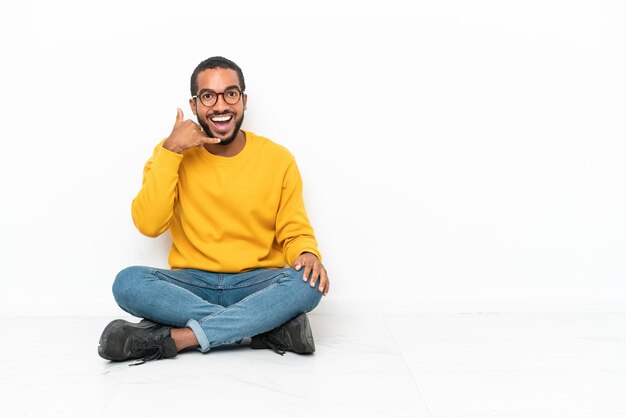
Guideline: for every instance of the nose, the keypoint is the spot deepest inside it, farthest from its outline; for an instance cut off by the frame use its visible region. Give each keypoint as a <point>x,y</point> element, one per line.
<point>221,104</point>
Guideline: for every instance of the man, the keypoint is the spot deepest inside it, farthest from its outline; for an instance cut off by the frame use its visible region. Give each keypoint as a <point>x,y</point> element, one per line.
<point>244,260</point>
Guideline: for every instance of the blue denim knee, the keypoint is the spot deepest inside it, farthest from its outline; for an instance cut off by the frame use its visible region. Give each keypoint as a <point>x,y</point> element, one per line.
<point>125,282</point>
<point>307,297</point>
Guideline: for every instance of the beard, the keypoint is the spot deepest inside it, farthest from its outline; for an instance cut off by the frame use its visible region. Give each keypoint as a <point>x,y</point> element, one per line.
<point>227,140</point>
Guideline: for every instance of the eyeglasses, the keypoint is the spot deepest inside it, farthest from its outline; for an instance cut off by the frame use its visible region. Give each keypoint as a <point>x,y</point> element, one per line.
<point>209,98</point>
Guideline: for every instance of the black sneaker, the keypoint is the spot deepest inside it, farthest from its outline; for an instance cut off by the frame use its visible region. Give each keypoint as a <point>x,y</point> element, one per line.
<point>294,335</point>
<point>122,340</point>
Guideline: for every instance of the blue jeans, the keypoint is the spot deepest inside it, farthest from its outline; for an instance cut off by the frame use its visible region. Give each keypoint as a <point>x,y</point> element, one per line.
<point>219,308</point>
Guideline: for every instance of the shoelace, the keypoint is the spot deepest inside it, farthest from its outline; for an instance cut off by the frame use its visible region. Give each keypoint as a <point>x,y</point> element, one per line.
<point>149,345</point>
<point>277,346</point>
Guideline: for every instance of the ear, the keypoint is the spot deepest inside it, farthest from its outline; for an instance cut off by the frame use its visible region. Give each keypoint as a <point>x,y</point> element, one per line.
<point>192,105</point>
<point>245,101</point>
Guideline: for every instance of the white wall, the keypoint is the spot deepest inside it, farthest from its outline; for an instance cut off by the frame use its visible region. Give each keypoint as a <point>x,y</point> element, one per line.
<point>457,156</point>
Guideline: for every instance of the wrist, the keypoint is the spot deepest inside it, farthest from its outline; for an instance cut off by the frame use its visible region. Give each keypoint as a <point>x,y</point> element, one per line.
<point>172,147</point>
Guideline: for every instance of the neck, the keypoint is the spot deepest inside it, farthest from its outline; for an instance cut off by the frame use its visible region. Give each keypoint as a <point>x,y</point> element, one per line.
<point>229,150</point>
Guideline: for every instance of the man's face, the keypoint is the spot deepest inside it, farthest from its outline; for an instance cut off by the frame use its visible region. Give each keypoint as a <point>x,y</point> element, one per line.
<point>218,80</point>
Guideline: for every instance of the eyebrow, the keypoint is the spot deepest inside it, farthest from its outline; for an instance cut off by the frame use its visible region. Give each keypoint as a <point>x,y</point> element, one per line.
<point>234,86</point>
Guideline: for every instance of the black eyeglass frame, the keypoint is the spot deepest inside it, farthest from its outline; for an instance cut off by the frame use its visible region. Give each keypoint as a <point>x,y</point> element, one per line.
<point>217,96</point>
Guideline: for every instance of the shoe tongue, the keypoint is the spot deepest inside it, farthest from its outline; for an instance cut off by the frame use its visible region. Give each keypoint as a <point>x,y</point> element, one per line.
<point>169,348</point>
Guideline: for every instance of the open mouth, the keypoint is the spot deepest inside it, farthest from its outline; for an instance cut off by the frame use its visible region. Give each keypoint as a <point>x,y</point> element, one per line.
<point>222,123</point>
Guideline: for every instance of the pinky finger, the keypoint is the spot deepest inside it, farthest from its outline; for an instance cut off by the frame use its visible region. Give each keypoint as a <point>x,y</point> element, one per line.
<point>326,288</point>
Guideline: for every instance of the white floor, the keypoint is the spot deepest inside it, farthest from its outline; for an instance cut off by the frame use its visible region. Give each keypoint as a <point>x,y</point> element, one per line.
<point>471,365</point>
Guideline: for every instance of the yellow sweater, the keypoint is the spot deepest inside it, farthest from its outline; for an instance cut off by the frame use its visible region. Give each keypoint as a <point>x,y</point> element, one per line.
<point>226,214</point>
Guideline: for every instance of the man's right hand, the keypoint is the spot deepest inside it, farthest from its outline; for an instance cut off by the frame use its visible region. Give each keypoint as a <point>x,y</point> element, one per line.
<point>186,134</point>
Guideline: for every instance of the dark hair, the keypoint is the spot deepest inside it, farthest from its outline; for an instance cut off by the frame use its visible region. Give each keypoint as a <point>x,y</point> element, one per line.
<point>216,62</point>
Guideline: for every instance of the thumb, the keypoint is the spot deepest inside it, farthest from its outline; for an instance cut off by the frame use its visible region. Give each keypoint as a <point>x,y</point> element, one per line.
<point>179,117</point>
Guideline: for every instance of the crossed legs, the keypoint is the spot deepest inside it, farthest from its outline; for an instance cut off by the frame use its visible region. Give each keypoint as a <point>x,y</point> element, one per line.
<point>210,309</point>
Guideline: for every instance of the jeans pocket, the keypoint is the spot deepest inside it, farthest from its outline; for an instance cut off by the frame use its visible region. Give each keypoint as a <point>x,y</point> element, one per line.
<point>252,278</point>
<point>189,277</point>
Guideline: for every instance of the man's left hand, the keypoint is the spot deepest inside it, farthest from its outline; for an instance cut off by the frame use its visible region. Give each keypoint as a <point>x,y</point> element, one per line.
<point>314,270</point>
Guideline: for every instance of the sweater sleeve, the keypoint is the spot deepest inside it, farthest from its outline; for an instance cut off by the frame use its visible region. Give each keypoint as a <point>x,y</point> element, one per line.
<point>153,207</point>
<point>293,229</point>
